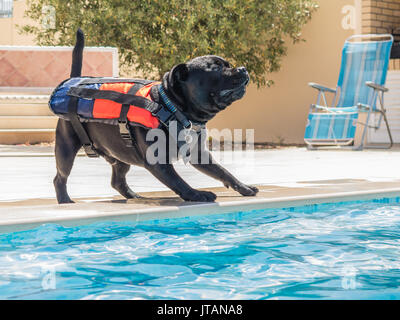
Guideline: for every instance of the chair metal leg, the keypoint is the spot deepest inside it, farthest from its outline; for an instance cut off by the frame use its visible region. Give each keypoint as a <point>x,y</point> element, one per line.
<point>345,146</point>
<point>388,129</point>
<point>361,146</point>
<point>311,147</point>
<point>389,134</point>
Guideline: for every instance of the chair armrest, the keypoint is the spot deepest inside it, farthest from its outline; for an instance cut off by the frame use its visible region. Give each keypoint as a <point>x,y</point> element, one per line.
<point>316,106</point>
<point>364,106</point>
<point>376,86</point>
<point>321,88</point>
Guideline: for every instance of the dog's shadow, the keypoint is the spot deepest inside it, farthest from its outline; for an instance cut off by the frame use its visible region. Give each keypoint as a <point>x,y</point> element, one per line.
<point>159,201</point>
<point>162,201</point>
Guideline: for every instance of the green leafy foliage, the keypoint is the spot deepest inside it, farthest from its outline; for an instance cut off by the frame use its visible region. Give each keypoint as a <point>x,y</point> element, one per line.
<point>154,35</point>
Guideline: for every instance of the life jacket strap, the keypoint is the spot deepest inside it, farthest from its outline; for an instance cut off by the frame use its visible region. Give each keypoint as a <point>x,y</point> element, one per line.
<point>79,129</point>
<point>123,118</point>
<point>175,110</point>
<point>95,80</point>
<point>122,98</point>
<point>163,115</point>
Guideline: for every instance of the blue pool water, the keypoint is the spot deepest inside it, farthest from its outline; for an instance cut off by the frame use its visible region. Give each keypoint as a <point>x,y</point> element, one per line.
<point>336,251</point>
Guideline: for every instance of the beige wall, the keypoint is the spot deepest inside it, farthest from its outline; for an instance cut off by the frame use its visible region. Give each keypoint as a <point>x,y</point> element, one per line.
<point>277,113</point>
<point>9,31</point>
<point>280,112</point>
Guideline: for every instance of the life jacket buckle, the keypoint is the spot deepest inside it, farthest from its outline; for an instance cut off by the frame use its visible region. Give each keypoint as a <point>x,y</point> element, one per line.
<point>163,115</point>
<point>90,151</point>
<point>125,133</point>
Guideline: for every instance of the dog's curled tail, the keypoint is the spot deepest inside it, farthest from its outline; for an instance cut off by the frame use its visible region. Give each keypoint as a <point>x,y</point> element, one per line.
<point>77,54</point>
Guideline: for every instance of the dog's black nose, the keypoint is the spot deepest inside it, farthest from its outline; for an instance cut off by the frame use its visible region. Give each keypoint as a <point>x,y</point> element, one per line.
<point>242,70</point>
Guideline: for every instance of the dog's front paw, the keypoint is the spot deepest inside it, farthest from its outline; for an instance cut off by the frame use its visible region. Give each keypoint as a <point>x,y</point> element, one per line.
<point>65,201</point>
<point>199,196</point>
<point>247,191</point>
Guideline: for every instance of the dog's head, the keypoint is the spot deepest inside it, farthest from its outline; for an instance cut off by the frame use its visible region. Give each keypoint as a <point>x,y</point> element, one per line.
<point>205,85</point>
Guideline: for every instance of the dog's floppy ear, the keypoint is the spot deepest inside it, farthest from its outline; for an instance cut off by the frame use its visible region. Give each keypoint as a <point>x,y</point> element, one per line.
<point>180,72</point>
<point>172,80</point>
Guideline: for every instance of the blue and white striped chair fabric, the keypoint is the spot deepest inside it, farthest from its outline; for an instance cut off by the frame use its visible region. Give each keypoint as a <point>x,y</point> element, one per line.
<point>362,61</point>
<point>328,127</point>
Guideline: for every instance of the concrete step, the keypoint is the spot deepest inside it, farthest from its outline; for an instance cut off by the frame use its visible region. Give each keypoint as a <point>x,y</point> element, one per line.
<point>24,109</point>
<point>21,136</point>
<point>31,122</point>
<point>24,104</point>
<point>26,118</point>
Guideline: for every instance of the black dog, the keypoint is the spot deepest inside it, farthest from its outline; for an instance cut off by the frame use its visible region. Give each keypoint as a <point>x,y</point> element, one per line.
<point>202,87</point>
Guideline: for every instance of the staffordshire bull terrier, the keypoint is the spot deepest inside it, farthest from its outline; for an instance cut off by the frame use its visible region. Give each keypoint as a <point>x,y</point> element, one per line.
<point>199,88</point>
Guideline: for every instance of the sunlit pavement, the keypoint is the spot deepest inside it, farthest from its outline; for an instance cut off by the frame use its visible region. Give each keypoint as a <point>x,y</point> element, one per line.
<point>27,172</point>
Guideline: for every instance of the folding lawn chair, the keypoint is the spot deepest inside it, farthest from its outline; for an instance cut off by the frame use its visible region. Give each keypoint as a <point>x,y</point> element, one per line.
<point>362,77</point>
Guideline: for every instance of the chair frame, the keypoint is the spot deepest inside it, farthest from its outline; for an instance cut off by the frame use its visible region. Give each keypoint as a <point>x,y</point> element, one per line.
<point>378,94</point>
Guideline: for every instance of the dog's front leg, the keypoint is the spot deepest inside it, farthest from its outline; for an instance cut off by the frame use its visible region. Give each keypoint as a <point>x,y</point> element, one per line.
<point>168,176</point>
<point>205,163</point>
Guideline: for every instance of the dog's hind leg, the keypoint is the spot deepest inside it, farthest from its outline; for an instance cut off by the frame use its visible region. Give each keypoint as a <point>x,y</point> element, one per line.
<point>67,146</point>
<point>118,178</point>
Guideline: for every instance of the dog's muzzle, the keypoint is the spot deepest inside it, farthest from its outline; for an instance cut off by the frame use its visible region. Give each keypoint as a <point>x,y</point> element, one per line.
<point>240,82</point>
<point>243,71</point>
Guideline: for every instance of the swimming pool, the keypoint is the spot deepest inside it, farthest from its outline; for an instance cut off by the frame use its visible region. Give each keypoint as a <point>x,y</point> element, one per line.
<point>329,251</point>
